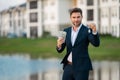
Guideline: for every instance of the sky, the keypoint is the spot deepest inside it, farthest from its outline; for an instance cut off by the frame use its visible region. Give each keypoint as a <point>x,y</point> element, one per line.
<point>5,4</point>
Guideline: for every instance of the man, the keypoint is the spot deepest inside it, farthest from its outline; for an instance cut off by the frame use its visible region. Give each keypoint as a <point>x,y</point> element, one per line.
<point>77,63</point>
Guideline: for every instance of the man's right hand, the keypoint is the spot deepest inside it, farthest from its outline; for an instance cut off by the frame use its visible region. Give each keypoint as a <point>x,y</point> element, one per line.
<point>60,41</point>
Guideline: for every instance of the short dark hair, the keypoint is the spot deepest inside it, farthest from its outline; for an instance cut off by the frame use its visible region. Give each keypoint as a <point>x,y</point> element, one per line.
<point>75,10</point>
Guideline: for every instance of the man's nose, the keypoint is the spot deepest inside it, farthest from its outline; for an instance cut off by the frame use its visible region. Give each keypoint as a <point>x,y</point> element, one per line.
<point>76,19</point>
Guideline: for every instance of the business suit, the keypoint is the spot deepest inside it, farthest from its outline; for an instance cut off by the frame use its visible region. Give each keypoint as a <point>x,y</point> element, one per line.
<point>80,57</point>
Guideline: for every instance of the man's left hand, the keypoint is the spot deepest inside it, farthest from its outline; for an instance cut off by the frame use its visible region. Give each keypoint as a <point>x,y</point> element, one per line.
<point>93,27</point>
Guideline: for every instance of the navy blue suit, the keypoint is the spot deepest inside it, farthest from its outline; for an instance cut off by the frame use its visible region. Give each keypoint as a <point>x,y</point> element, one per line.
<point>80,56</point>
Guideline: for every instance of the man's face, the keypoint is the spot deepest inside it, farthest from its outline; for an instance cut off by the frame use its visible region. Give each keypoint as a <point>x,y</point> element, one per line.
<point>76,18</point>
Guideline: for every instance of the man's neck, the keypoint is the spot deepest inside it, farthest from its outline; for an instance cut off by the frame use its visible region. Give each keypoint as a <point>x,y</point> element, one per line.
<point>75,28</point>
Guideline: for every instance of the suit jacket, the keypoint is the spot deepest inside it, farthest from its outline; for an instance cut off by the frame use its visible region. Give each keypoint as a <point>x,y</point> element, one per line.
<point>80,55</point>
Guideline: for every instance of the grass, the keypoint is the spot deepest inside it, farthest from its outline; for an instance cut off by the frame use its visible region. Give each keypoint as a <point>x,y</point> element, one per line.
<point>44,47</point>
<point>109,48</point>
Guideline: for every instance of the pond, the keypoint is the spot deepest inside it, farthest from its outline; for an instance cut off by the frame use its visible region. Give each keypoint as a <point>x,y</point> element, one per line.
<point>21,67</point>
<point>17,66</point>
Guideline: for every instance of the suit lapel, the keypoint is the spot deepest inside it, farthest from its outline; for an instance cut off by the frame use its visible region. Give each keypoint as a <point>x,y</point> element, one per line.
<point>69,36</point>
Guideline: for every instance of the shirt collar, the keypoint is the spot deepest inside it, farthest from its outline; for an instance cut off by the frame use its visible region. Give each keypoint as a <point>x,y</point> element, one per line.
<point>78,27</point>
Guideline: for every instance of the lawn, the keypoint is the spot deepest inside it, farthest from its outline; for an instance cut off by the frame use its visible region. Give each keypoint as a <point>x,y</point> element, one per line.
<point>109,48</point>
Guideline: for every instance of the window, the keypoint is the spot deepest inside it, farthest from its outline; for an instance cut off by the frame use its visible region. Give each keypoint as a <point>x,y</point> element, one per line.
<point>105,0</point>
<point>23,23</point>
<point>45,2</point>
<point>14,22</point>
<point>52,3</point>
<point>19,22</point>
<point>52,16</point>
<point>19,13</point>
<point>114,0</point>
<point>33,4</point>
<point>90,14</point>
<point>33,32</point>
<point>10,15</point>
<point>114,12</point>
<point>10,23</point>
<point>89,2</point>
<point>104,12</point>
<point>119,12</point>
<point>33,17</point>
<point>45,16</point>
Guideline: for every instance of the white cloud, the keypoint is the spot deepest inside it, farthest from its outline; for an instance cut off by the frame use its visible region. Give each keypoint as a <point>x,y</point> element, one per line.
<point>5,4</point>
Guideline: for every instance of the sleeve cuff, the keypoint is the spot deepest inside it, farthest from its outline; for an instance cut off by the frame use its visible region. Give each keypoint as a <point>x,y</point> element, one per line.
<point>58,48</point>
<point>94,33</point>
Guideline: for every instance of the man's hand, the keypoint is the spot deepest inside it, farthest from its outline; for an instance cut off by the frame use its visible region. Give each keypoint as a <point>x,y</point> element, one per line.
<point>60,41</point>
<point>93,27</point>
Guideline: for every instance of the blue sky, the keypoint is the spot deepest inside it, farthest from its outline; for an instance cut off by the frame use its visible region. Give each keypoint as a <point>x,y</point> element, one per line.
<point>5,4</point>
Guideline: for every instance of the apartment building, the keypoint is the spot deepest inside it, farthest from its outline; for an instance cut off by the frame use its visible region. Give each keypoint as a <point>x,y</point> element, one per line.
<point>13,21</point>
<point>104,13</point>
<point>90,11</point>
<point>55,15</point>
<point>34,19</point>
<point>39,16</point>
<point>110,17</point>
<point>51,16</point>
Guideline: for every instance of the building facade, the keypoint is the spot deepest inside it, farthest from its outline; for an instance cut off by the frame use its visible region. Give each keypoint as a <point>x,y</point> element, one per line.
<point>13,21</point>
<point>55,15</point>
<point>104,13</point>
<point>34,19</point>
<point>39,16</point>
<point>52,15</point>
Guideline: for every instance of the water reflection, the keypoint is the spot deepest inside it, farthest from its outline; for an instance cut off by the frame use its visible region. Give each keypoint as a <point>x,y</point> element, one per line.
<point>21,67</point>
<point>16,67</point>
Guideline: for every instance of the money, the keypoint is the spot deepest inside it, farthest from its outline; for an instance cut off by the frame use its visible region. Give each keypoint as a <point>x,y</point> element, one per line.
<point>62,34</point>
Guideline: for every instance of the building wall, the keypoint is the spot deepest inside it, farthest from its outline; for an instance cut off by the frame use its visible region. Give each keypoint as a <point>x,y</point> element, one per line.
<point>105,15</point>
<point>50,13</point>
<point>53,15</point>
<point>13,21</point>
<point>85,8</point>
<point>110,17</point>
<point>56,15</point>
<point>34,19</point>
<point>5,24</point>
